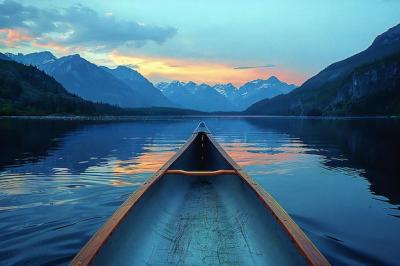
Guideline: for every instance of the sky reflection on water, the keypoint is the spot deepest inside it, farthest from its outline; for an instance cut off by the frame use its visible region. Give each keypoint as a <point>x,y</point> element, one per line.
<point>61,180</point>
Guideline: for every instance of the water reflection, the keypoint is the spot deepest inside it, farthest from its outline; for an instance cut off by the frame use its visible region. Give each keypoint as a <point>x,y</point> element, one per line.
<point>370,147</point>
<point>60,180</point>
<point>250,155</point>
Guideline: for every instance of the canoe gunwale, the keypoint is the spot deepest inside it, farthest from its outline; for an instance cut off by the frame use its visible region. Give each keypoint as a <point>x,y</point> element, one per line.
<point>301,242</point>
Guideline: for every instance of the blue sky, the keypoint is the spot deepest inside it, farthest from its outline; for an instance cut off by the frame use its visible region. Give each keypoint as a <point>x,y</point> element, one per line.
<point>205,41</point>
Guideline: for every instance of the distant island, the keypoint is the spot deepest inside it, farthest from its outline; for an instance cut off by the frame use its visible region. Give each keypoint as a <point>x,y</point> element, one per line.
<point>366,84</point>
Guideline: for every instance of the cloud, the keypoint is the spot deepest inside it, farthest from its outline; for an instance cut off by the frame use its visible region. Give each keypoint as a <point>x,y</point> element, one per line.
<point>9,37</point>
<point>78,25</point>
<point>252,67</point>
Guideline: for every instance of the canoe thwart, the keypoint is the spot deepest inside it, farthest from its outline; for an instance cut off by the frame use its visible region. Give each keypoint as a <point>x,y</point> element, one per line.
<point>201,173</point>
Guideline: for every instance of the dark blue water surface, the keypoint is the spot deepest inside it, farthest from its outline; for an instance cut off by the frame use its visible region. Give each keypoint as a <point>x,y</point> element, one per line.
<point>338,178</point>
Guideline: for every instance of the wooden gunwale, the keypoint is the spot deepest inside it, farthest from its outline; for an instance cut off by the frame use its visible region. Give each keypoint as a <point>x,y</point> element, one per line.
<point>309,251</point>
<point>92,247</point>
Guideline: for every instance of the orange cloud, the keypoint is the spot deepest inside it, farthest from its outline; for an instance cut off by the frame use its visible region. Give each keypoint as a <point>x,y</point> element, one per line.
<point>11,38</point>
<point>159,68</point>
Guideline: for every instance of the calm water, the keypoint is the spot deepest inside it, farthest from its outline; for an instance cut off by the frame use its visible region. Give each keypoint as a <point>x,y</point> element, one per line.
<point>338,179</point>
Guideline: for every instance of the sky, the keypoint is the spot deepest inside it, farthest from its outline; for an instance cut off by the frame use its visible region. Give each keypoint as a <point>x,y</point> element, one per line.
<point>211,41</point>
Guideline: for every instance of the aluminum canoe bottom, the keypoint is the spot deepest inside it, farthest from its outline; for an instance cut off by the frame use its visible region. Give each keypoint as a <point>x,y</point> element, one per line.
<point>199,220</point>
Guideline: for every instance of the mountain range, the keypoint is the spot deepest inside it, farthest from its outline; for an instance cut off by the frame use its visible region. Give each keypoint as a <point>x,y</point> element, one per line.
<point>27,90</point>
<point>125,87</point>
<point>222,97</point>
<point>367,83</point>
<point>195,96</point>
<point>121,86</point>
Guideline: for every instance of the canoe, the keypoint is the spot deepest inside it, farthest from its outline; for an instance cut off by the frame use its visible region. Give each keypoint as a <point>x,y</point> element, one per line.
<point>200,208</point>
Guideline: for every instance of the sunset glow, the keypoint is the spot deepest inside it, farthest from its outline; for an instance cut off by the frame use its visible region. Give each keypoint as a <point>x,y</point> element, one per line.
<point>244,42</point>
<point>10,37</point>
<point>161,68</point>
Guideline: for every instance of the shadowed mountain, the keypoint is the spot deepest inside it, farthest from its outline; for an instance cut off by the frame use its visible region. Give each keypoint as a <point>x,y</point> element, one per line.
<point>36,59</point>
<point>149,95</point>
<point>26,90</point>
<point>4,57</point>
<point>90,82</point>
<point>364,84</point>
<point>121,86</point>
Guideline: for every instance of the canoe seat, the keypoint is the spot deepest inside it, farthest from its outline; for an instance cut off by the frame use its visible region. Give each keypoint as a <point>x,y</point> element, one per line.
<point>201,173</point>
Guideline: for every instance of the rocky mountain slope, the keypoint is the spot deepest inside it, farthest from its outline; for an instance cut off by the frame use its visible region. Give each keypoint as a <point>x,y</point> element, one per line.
<point>364,84</point>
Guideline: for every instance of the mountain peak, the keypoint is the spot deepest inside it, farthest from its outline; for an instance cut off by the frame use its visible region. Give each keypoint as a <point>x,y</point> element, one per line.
<point>191,83</point>
<point>123,68</point>
<point>46,53</point>
<point>273,79</point>
<point>43,54</point>
<point>5,57</point>
<point>74,56</point>
<point>71,57</point>
<point>177,82</point>
<point>225,85</point>
<point>36,58</point>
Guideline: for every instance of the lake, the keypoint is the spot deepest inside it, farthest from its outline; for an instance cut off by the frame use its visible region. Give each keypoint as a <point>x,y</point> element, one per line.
<point>338,178</point>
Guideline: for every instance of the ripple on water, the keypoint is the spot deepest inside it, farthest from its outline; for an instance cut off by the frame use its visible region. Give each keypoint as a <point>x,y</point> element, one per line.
<point>59,187</point>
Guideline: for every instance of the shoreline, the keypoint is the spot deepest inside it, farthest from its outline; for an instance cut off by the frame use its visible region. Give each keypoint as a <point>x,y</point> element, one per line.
<point>142,117</point>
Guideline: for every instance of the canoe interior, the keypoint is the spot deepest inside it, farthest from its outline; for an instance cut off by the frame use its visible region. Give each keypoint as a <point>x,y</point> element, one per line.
<point>199,220</point>
<point>201,156</point>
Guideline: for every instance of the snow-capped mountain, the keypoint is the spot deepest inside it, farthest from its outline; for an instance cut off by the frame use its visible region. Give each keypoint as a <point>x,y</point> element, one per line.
<point>260,89</point>
<point>195,96</point>
<point>125,87</point>
<point>121,86</point>
<point>229,91</point>
<point>203,97</point>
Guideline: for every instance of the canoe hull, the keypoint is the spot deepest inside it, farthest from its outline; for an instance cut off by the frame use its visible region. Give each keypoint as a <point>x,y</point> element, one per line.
<point>199,220</point>
<point>200,208</point>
